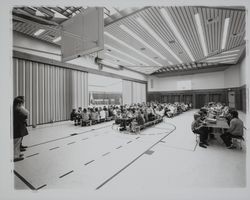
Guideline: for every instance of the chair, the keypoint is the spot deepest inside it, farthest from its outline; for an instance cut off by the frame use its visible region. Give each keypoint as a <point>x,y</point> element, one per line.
<point>238,141</point>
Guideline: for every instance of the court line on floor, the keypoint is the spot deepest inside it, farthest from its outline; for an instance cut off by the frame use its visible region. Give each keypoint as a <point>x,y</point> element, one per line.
<point>32,155</point>
<point>54,148</point>
<point>27,183</point>
<point>61,138</point>
<point>126,166</point>
<point>66,174</point>
<point>41,187</point>
<point>89,162</point>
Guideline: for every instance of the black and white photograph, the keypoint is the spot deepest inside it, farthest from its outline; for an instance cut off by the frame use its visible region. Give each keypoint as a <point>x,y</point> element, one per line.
<point>125,100</point>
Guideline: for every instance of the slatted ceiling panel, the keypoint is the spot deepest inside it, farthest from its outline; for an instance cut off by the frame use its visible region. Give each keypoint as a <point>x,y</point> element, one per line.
<point>181,20</point>
<point>117,33</point>
<point>189,34</point>
<point>137,45</point>
<point>133,25</point>
<point>156,21</point>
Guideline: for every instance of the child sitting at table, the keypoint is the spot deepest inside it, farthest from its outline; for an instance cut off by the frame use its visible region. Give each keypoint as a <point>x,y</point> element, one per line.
<point>199,127</point>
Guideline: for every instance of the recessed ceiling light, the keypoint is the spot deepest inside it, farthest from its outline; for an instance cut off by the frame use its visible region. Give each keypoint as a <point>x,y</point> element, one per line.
<point>171,42</point>
<point>39,32</point>
<point>153,33</point>
<point>225,33</point>
<point>142,49</point>
<point>201,34</point>
<point>232,51</point>
<point>224,56</point>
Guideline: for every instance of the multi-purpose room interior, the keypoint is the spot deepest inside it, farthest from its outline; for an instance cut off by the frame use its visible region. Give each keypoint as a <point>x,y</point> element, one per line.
<point>193,55</point>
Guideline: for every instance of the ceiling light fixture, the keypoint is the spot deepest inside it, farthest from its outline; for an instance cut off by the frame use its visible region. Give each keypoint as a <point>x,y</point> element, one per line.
<point>225,33</point>
<point>125,54</point>
<point>219,60</point>
<point>152,32</point>
<point>108,63</point>
<point>119,59</point>
<point>225,52</point>
<point>176,33</point>
<point>224,56</point>
<point>201,35</point>
<point>132,48</point>
<point>39,32</point>
<point>126,29</point>
<point>57,39</point>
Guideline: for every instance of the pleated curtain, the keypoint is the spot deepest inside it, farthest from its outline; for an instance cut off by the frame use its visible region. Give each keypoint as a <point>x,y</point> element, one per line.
<point>50,91</point>
<point>133,92</point>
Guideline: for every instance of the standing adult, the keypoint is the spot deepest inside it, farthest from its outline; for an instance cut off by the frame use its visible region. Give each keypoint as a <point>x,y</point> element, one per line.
<point>26,112</point>
<point>19,126</point>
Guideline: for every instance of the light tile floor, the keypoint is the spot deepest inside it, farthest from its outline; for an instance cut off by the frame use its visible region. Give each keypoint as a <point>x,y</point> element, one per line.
<point>99,158</point>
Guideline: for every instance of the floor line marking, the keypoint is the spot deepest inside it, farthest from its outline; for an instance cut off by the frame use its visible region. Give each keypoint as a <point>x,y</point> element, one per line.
<point>126,166</point>
<point>84,138</point>
<point>32,155</point>
<point>119,147</point>
<point>66,174</point>
<point>41,187</point>
<point>129,142</point>
<point>71,143</point>
<point>106,154</point>
<point>24,180</point>
<point>67,136</point>
<point>54,148</point>
<point>89,162</point>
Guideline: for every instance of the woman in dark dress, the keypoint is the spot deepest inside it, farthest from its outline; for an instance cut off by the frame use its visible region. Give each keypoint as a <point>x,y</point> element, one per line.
<point>19,123</point>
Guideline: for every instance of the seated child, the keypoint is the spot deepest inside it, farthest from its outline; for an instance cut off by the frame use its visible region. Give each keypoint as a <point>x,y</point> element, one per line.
<point>133,125</point>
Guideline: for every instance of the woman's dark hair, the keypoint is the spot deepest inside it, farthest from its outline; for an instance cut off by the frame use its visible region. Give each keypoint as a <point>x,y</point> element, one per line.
<point>234,114</point>
<point>17,101</point>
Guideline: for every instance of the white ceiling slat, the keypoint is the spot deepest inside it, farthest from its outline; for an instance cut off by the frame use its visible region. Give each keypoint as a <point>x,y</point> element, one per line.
<point>159,29</point>
<point>185,25</point>
<point>202,12</point>
<point>132,25</point>
<point>176,15</point>
<point>232,24</point>
<point>196,47</point>
<point>232,15</point>
<point>198,44</point>
<point>208,26</point>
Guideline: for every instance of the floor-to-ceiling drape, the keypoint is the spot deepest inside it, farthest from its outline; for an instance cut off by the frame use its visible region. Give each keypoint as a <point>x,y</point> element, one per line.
<point>133,92</point>
<point>50,91</point>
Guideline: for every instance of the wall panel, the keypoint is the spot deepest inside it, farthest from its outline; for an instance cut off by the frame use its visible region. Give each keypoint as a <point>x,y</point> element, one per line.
<point>50,92</point>
<point>133,92</point>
